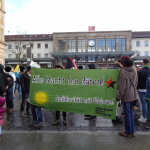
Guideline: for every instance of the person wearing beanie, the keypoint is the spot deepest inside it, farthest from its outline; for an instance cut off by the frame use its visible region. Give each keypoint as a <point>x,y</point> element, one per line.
<point>25,86</point>
<point>142,78</point>
<point>127,94</point>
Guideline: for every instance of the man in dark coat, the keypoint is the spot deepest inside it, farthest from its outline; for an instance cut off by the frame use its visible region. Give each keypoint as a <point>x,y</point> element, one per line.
<point>2,84</point>
<point>25,86</point>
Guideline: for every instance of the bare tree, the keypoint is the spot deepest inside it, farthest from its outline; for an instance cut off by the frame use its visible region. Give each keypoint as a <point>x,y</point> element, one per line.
<point>18,45</point>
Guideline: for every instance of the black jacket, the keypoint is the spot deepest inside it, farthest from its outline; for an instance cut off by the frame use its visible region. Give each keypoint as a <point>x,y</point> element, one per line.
<point>142,77</point>
<point>5,76</point>
<point>2,85</point>
<point>25,82</point>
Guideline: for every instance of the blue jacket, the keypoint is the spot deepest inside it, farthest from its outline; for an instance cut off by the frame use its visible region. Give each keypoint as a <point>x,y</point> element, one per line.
<point>148,85</point>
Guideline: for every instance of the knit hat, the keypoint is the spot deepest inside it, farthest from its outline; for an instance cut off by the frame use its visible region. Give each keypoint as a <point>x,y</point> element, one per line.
<point>126,61</point>
<point>28,68</point>
<point>8,68</point>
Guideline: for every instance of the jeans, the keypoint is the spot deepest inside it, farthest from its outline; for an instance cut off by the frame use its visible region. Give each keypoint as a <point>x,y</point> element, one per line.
<point>58,115</point>
<point>17,85</point>
<point>20,92</point>
<point>144,105</point>
<point>36,111</point>
<point>25,96</point>
<point>9,98</point>
<point>129,118</point>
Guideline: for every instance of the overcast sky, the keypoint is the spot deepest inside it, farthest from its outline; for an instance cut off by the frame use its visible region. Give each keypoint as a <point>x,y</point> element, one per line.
<point>48,16</point>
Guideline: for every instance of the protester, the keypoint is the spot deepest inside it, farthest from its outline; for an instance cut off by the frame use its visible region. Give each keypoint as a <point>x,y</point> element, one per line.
<point>21,72</point>
<point>25,86</point>
<point>8,80</point>
<point>127,94</point>
<point>57,120</point>
<point>80,67</point>
<point>142,77</point>
<point>17,84</point>
<point>2,110</point>
<point>2,86</point>
<point>147,99</point>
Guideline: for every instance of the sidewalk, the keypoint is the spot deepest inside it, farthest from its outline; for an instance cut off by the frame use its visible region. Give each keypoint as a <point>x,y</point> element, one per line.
<point>77,122</point>
<point>48,140</point>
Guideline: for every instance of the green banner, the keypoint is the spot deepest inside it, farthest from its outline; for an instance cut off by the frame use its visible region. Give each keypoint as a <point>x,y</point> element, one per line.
<point>87,91</point>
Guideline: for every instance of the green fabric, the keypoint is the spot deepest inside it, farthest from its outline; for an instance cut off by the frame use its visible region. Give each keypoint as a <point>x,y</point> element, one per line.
<point>87,91</point>
<point>145,66</point>
<point>148,109</point>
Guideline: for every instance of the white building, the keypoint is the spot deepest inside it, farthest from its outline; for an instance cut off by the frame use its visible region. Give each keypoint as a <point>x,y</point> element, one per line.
<point>41,46</point>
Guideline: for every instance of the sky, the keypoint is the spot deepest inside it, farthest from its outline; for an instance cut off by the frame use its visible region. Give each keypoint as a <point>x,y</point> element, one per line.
<point>48,16</point>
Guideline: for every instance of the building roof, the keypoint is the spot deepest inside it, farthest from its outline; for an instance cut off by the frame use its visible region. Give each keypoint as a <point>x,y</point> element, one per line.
<point>29,37</point>
<point>141,34</point>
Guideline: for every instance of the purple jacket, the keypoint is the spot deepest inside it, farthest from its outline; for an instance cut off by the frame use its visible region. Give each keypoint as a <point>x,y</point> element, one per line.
<point>2,110</point>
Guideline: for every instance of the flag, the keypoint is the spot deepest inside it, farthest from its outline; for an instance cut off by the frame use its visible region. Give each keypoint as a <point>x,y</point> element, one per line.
<point>85,91</point>
<point>17,68</point>
<point>70,64</point>
<point>91,28</point>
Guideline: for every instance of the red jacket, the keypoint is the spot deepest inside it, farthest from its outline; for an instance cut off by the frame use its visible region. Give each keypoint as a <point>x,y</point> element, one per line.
<point>2,110</point>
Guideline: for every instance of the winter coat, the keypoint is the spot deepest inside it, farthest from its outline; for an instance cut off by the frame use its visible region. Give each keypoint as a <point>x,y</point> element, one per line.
<point>126,91</point>
<point>142,77</point>
<point>25,82</point>
<point>5,76</point>
<point>2,85</point>
<point>2,110</point>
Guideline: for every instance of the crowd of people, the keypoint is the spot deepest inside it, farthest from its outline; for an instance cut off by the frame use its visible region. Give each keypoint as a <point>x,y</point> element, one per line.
<point>133,90</point>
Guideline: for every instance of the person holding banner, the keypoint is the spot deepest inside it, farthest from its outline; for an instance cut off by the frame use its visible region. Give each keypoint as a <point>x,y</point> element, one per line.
<point>25,86</point>
<point>57,120</point>
<point>128,94</point>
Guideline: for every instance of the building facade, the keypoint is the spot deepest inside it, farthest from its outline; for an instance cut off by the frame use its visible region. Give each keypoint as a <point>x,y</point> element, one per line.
<point>41,46</point>
<point>99,48</point>
<point>2,39</point>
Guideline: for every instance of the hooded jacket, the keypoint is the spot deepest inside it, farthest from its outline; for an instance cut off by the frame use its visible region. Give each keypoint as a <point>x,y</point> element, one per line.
<point>2,110</point>
<point>60,65</point>
<point>126,89</point>
<point>91,66</point>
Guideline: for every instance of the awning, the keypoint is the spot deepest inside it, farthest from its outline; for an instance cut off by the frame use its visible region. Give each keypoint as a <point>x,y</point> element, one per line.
<point>44,62</point>
<point>108,54</point>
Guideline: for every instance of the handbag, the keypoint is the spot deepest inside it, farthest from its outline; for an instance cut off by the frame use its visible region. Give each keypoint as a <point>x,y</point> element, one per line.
<point>137,101</point>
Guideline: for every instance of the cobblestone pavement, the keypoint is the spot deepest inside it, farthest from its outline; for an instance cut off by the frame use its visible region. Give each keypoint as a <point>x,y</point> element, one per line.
<point>76,122</point>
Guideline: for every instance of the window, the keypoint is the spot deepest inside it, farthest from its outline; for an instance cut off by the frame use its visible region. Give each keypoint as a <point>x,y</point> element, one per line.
<point>31,45</point>
<point>61,45</point>
<point>121,44</point>
<point>38,45</point>
<point>71,45</point>
<point>111,59</point>
<point>147,53</point>
<point>111,44</point>
<point>138,54</point>
<point>138,43</point>
<point>146,43</point>
<point>9,46</point>
<point>38,55</point>
<point>24,46</point>
<point>82,59</point>
<point>9,55</point>
<point>81,45</point>
<point>46,46</point>
<point>101,45</point>
<point>17,46</point>
<point>91,59</point>
<point>46,55</point>
<point>91,48</point>
<point>24,55</point>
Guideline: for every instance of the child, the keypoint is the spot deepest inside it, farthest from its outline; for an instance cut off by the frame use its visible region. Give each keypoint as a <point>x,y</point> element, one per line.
<point>2,110</point>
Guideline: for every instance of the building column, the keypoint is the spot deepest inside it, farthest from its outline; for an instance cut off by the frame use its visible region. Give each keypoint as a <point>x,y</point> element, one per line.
<point>127,43</point>
<point>106,43</point>
<point>96,60</point>
<point>86,62</point>
<point>86,44</point>
<point>76,44</point>
<point>96,43</point>
<point>66,46</point>
<point>117,43</point>
<point>76,61</point>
